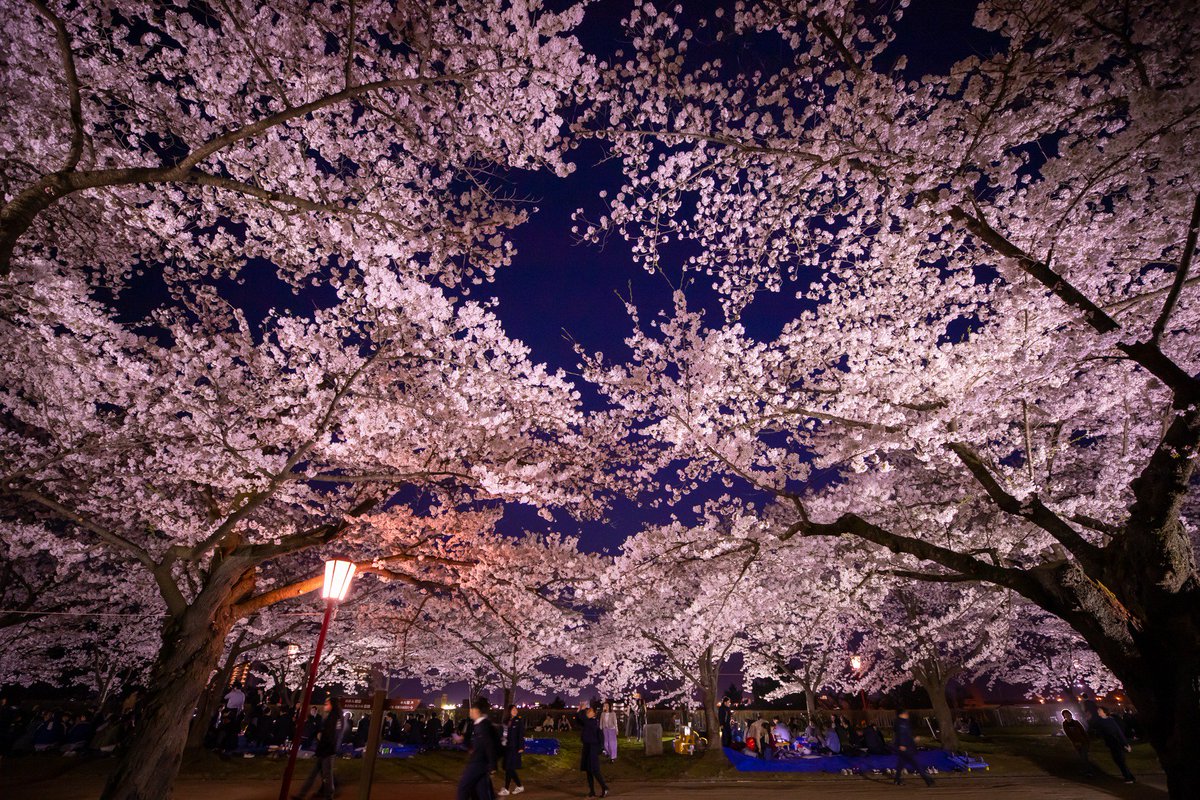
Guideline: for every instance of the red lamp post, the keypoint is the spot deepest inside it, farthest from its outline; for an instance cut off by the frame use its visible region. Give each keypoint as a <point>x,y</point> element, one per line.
<point>338,575</point>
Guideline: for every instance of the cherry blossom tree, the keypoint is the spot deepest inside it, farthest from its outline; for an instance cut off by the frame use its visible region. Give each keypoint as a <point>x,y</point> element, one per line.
<point>36,580</point>
<point>266,638</point>
<point>992,362</point>
<point>63,636</point>
<point>934,635</point>
<point>806,642</point>
<point>514,617</point>
<point>192,139</point>
<point>677,602</point>
<point>1051,659</point>
<point>211,452</point>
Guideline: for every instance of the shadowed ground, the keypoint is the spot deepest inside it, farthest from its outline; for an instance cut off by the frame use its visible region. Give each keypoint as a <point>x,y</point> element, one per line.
<point>1026,764</point>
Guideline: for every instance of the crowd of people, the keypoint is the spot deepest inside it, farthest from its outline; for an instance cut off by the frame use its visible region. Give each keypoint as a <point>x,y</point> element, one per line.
<point>33,729</point>
<point>774,738</point>
<point>249,721</point>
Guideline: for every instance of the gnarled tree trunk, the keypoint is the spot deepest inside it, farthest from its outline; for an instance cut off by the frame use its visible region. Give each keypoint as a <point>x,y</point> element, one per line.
<point>192,642</point>
<point>1164,685</point>
<point>210,698</point>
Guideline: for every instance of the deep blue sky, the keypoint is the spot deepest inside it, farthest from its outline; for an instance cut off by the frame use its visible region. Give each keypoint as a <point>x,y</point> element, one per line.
<point>558,293</point>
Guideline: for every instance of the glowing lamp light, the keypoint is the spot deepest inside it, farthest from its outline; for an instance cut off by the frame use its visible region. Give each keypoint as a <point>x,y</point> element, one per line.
<point>338,575</point>
<point>855,662</point>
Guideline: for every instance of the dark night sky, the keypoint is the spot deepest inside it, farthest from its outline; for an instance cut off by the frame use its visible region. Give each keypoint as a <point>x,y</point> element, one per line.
<point>558,293</point>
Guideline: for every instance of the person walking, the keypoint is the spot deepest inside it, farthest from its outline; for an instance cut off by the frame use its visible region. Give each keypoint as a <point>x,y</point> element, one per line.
<point>906,749</point>
<point>476,780</point>
<point>514,746</point>
<point>608,726</point>
<point>1077,735</point>
<point>328,741</point>
<point>1115,739</point>
<point>589,760</point>
<point>725,718</point>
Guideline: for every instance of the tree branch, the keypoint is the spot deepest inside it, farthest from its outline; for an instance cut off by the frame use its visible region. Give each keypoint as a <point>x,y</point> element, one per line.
<point>104,534</point>
<point>1185,387</point>
<point>195,177</point>
<point>314,537</point>
<point>348,70</point>
<point>930,577</point>
<point>1181,274</point>
<point>71,77</point>
<point>854,525</point>
<point>1033,510</point>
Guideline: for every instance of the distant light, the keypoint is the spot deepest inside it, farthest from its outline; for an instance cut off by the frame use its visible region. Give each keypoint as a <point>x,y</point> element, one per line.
<point>338,575</point>
<point>856,662</point>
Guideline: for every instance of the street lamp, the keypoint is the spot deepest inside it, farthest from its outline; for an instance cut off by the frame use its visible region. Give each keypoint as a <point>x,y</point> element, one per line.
<point>856,665</point>
<point>338,575</point>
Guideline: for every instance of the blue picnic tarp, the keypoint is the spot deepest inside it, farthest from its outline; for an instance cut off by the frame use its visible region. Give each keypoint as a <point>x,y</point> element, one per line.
<point>533,747</point>
<point>541,747</point>
<point>744,762</point>
<point>392,750</point>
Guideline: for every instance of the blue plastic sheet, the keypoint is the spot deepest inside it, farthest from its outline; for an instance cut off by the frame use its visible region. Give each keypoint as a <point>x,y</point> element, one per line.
<point>541,747</point>
<point>743,762</point>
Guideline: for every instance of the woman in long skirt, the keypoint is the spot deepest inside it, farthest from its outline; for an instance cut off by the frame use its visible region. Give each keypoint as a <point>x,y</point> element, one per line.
<point>608,726</point>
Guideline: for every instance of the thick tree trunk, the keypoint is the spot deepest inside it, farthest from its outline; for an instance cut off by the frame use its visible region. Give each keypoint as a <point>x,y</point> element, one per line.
<point>1164,686</point>
<point>709,698</point>
<point>210,700</point>
<point>810,701</point>
<point>934,683</point>
<point>191,649</point>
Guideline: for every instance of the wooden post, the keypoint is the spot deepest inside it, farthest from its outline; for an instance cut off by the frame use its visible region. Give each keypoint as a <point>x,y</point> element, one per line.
<point>372,751</point>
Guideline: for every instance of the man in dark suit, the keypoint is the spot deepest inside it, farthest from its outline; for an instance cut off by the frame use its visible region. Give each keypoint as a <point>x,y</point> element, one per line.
<point>725,717</point>
<point>906,749</point>
<point>476,780</point>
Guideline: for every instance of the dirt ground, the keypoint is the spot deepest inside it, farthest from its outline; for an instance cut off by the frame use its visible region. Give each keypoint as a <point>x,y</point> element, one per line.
<point>1009,787</point>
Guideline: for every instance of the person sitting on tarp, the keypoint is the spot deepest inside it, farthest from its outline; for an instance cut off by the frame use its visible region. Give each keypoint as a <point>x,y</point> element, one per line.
<point>755,733</point>
<point>873,741</point>
<point>831,742</point>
